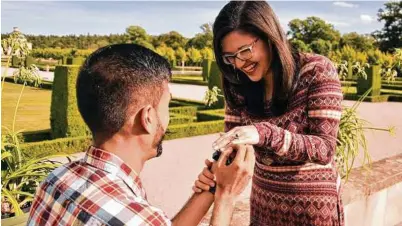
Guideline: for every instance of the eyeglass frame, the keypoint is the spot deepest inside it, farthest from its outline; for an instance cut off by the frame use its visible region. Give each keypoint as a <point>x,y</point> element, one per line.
<point>249,47</point>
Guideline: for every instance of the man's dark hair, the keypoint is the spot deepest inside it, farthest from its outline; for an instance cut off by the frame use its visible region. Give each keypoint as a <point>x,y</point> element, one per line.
<point>116,80</point>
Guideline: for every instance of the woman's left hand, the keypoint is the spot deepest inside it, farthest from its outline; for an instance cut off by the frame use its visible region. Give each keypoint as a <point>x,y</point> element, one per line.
<point>238,135</point>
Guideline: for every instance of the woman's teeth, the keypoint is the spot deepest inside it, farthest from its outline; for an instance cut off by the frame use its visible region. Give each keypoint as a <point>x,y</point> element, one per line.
<point>250,68</point>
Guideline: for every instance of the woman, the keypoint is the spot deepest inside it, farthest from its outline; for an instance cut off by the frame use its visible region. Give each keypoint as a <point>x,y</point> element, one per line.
<point>286,104</point>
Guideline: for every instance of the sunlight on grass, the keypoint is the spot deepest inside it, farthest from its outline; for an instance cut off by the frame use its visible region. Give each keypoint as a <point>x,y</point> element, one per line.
<point>34,109</point>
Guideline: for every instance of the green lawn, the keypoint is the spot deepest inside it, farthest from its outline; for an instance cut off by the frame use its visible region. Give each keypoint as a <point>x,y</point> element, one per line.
<point>33,111</point>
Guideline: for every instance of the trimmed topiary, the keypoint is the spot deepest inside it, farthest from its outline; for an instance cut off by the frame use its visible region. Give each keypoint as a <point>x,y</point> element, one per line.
<point>65,119</point>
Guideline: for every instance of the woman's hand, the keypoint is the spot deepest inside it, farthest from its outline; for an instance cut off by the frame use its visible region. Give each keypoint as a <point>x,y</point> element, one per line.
<point>238,135</point>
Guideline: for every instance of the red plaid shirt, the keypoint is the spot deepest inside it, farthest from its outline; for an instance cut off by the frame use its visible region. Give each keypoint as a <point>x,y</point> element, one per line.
<point>100,189</point>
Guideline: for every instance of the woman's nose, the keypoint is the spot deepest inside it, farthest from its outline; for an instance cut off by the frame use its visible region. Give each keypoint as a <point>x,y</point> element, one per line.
<point>239,63</point>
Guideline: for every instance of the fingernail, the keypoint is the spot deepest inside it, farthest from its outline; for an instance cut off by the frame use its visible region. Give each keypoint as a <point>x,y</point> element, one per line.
<point>212,184</point>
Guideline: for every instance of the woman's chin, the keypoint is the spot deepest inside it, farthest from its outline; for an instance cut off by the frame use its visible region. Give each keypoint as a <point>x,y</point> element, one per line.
<point>254,78</point>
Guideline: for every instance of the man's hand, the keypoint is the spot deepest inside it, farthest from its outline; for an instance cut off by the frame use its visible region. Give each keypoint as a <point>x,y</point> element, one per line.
<point>205,180</point>
<point>232,179</point>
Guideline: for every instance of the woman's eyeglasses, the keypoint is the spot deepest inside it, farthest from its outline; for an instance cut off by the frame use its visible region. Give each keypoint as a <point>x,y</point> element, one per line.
<point>244,54</point>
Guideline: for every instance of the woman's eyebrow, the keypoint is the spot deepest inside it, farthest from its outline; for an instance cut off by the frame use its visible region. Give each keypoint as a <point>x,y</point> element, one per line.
<point>241,47</point>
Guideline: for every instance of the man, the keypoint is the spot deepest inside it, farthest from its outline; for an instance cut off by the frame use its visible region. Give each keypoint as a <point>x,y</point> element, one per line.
<point>123,97</point>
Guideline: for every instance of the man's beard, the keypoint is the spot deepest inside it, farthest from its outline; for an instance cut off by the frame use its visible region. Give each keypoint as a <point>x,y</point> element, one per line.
<point>157,144</point>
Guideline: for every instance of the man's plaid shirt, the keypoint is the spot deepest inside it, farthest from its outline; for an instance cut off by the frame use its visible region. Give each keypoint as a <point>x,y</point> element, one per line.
<point>97,190</point>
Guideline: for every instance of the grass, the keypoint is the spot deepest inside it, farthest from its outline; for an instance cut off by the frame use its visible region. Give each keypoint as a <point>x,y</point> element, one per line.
<point>188,77</point>
<point>34,109</point>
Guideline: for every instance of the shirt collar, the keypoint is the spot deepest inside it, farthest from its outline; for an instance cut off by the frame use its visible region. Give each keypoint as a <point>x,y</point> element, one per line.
<point>114,165</point>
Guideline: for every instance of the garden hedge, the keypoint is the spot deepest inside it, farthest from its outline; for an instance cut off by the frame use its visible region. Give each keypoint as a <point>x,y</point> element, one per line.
<point>65,119</point>
<point>176,119</point>
<point>188,82</point>
<point>75,61</point>
<point>210,115</point>
<point>186,110</point>
<point>206,68</point>
<point>69,145</point>
<point>15,61</point>
<point>194,129</point>
<point>373,81</point>
<point>175,102</point>
<point>73,145</point>
<point>29,60</point>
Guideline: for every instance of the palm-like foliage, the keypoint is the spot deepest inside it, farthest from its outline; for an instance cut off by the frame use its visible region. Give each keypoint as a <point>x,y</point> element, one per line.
<point>211,96</point>
<point>15,45</point>
<point>29,75</point>
<point>342,69</point>
<point>351,139</point>
<point>19,176</point>
<point>360,69</point>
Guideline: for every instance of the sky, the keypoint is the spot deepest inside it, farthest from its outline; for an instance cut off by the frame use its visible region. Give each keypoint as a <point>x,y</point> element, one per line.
<point>186,17</point>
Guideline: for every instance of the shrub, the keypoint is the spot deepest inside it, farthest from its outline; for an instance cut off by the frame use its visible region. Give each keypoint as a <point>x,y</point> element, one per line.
<point>57,53</point>
<point>210,115</point>
<point>186,110</point>
<point>194,129</point>
<point>75,61</point>
<point>188,82</point>
<point>29,60</point>
<point>69,145</point>
<point>186,102</point>
<point>206,68</point>
<point>65,120</point>
<point>361,57</point>
<point>375,57</point>
<point>73,145</point>
<point>176,119</point>
<point>215,80</point>
<point>35,136</point>
<point>15,61</point>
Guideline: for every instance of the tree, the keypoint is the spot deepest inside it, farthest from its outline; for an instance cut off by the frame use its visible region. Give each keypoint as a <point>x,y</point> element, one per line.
<point>202,40</point>
<point>194,55</point>
<point>358,42</point>
<point>322,47</point>
<point>172,39</point>
<point>311,29</point>
<point>138,35</point>
<point>390,37</point>
<point>166,52</point>
<point>207,53</point>
<point>181,55</point>
<point>300,45</point>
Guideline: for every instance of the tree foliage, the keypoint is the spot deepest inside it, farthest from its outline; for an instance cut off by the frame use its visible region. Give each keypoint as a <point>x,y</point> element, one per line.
<point>390,37</point>
<point>311,29</point>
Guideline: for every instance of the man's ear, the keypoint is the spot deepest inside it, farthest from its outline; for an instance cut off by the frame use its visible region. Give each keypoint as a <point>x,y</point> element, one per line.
<point>146,116</point>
